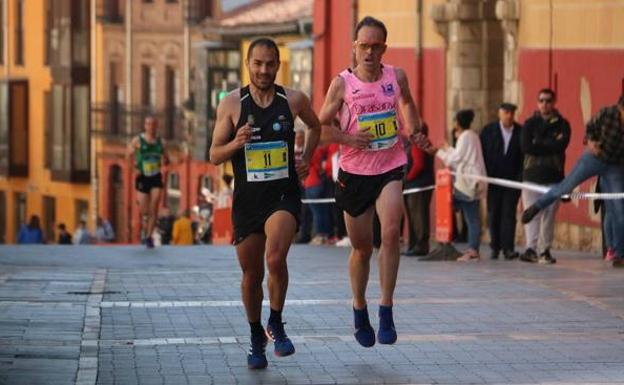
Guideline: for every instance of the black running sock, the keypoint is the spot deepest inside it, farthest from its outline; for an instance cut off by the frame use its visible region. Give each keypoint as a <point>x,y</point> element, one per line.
<point>256,328</point>
<point>276,316</point>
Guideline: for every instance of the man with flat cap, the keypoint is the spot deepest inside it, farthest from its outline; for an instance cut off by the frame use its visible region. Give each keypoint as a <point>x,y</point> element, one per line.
<point>503,158</point>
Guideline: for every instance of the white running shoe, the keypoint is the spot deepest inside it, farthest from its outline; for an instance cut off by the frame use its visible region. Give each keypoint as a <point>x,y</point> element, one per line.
<point>344,242</point>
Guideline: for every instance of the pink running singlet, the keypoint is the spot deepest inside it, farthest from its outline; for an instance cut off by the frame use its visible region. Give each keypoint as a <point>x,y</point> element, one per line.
<point>372,107</point>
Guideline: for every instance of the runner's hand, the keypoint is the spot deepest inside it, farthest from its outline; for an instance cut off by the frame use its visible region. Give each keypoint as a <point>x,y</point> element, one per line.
<point>360,140</point>
<point>302,167</point>
<point>420,140</point>
<point>243,136</point>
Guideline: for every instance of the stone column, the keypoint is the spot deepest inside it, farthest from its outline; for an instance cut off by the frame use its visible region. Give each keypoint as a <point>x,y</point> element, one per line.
<point>474,47</point>
<point>508,12</point>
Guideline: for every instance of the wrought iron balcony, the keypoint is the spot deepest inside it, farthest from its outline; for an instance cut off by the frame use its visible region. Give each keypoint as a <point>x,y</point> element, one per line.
<point>116,121</point>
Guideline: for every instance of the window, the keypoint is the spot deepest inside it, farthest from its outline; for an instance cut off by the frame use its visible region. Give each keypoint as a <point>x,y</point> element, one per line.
<point>110,11</point>
<point>171,101</point>
<point>80,145</point>
<point>69,40</point>
<point>80,33</point>
<point>19,33</point>
<point>113,115</point>
<point>14,128</point>
<point>198,10</point>
<point>61,154</point>
<point>148,86</point>
<point>68,132</point>
<point>49,218</point>
<point>48,31</point>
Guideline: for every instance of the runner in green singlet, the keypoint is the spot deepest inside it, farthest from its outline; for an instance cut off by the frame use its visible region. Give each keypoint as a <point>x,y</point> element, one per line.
<point>149,151</point>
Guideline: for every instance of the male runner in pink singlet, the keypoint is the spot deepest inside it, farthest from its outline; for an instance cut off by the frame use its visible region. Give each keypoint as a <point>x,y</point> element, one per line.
<point>372,102</point>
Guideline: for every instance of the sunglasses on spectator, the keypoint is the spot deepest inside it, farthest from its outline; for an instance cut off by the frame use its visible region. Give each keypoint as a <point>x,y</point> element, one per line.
<point>375,47</point>
<point>545,100</point>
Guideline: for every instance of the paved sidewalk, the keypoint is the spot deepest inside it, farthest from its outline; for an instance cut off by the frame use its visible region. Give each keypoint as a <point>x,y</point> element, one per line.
<point>125,315</point>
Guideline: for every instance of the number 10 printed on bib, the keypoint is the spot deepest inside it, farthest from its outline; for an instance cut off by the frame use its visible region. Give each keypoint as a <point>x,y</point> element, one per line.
<point>266,161</point>
<point>383,126</point>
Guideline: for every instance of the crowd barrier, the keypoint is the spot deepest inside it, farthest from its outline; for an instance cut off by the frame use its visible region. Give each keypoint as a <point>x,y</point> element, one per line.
<point>222,224</point>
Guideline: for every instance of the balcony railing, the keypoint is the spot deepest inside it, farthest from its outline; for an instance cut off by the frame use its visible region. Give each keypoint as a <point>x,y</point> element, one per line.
<point>121,122</point>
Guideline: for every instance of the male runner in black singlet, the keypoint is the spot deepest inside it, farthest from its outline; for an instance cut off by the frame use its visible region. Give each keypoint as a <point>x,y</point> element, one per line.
<point>255,129</point>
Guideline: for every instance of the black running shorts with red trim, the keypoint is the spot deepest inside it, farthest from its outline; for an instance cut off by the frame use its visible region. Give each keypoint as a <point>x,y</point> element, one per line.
<point>356,193</point>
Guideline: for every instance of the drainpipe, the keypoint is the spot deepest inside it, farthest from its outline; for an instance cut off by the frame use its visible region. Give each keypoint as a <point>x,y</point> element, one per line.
<point>187,93</point>
<point>5,43</point>
<point>421,62</point>
<point>128,101</point>
<point>93,95</point>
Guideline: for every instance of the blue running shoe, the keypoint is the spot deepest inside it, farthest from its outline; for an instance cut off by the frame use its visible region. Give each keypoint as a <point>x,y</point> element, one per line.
<point>149,242</point>
<point>387,333</point>
<point>283,346</point>
<point>364,332</point>
<point>256,358</point>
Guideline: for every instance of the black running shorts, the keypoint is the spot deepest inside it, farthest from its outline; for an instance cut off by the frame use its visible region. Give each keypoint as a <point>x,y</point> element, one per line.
<point>356,193</point>
<point>145,184</point>
<point>246,223</point>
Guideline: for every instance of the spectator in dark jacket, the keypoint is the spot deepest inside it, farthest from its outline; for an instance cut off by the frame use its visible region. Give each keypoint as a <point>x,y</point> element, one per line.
<point>545,137</point>
<point>502,154</point>
<point>31,233</point>
<point>419,173</point>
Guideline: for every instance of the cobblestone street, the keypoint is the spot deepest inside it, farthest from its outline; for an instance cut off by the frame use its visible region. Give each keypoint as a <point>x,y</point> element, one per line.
<point>126,315</point>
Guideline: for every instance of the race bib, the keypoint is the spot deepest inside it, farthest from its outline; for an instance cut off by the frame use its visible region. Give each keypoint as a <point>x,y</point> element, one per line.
<point>150,168</point>
<point>383,126</point>
<point>266,161</point>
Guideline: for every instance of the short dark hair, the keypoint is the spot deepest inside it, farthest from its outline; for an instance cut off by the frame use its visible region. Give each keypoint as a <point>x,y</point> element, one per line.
<point>510,107</point>
<point>547,91</point>
<point>621,101</point>
<point>265,42</point>
<point>464,118</point>
<point>369,21</point>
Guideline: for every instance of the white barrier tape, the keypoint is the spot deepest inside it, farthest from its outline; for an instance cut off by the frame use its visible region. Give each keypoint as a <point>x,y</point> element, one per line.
<point>541,189</point>
<point>405,192</point>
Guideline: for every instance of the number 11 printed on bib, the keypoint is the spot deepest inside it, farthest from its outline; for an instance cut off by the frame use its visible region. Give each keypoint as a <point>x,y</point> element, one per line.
<point>266,161</point>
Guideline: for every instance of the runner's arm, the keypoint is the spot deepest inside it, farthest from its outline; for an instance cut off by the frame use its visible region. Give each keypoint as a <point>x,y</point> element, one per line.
<point>313,133</point>
<point>331,106</point>
<point>406,104</point>
<point>222,147</point>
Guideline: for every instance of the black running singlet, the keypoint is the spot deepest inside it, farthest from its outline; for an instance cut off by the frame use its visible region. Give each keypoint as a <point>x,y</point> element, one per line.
<point>264,170</point>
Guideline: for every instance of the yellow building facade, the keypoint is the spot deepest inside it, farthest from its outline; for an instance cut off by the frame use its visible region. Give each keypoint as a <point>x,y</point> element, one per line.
<point>27,186</point>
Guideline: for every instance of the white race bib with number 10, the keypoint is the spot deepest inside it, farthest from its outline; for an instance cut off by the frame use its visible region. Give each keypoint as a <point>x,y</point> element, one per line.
<point>383,126</point>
